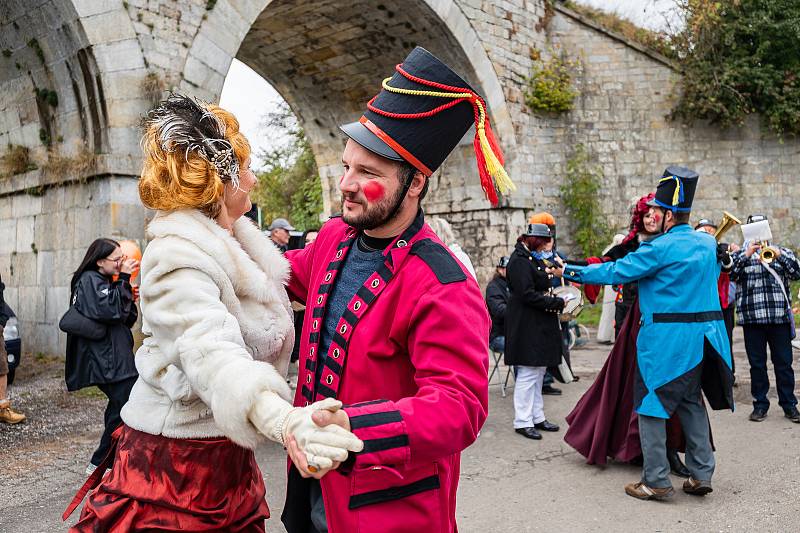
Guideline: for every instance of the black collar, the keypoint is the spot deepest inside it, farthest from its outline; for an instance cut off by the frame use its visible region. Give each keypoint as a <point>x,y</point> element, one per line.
<point>373,244</point>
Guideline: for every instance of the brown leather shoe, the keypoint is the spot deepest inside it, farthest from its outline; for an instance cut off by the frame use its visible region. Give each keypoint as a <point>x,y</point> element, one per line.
<point>643,492</point>
<point>696,487</point>
<point>8,415</point>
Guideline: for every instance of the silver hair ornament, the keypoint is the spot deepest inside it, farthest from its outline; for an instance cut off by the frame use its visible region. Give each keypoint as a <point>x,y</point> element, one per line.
<point>178,121</point>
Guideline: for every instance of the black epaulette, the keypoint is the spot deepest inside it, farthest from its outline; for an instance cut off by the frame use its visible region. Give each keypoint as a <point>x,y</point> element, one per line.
<point>438,258</point>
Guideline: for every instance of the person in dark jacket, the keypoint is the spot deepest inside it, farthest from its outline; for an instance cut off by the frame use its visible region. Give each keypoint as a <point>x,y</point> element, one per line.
<point>108,362</point>
<point>7,414</point>
<point>497,294</point>
<point>533,332</point>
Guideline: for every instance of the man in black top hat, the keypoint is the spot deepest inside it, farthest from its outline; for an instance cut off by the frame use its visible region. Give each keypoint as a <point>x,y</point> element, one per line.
<point>394,327</point>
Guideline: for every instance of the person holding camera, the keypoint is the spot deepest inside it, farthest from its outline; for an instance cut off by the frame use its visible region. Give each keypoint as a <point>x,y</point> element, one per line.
<point>106,362</point>
<point>765,314</point>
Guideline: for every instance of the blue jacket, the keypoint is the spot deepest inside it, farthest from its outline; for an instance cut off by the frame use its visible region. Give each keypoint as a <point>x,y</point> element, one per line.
<point>682,323</point>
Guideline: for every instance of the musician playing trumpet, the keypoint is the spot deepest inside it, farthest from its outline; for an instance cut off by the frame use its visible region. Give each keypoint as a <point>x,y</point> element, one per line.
<point>765,314</point>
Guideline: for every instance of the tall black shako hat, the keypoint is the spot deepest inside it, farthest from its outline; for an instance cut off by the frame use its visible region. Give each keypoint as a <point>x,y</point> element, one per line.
<point>421,114</point>
<point>676,189</point>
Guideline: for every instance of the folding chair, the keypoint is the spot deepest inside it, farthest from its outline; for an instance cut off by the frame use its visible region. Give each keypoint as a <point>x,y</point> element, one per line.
<point>505,383</point>
<point>498,357</point>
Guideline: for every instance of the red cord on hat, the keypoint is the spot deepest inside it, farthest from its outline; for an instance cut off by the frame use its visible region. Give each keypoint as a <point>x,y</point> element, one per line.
<point>487,151</point>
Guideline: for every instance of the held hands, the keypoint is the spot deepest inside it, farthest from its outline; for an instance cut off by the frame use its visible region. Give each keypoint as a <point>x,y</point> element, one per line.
<point>322,418</point>
<point>556,271</point>
<point>314,449</point>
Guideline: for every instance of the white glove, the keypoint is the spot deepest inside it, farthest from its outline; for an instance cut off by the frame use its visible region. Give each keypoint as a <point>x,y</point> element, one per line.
<point>277,419</point>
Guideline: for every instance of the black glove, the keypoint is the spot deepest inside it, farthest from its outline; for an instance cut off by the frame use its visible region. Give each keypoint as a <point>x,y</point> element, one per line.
<point>724,256</point>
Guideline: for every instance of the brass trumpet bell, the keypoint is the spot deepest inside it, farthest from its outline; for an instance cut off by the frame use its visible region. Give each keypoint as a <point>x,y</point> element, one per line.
<point>728,221</point>
<point>767,253</point>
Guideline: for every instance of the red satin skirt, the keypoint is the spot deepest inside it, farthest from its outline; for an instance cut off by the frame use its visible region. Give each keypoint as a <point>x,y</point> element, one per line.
<point>162,484</point>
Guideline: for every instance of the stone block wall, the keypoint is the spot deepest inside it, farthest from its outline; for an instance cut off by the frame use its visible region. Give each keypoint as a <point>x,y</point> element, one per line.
<point>108,61</point>
<point>44,238</point>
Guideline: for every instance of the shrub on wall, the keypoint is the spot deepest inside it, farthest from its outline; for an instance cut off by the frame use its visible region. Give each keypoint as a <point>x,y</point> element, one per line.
<point>549,88</point>
<point>579,192</point>
<point>740,57</point>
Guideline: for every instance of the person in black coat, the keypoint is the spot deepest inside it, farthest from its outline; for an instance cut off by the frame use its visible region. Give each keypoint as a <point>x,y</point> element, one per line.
<point>497,295</point>
<point>108,362</point>
<point>533,331</point>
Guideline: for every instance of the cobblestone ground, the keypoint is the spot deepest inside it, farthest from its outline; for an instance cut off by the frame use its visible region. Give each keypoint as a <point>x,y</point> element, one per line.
<point>508,483</point>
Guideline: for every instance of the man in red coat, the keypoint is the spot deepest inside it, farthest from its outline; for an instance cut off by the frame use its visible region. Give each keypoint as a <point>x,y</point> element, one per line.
<point>394,327</point>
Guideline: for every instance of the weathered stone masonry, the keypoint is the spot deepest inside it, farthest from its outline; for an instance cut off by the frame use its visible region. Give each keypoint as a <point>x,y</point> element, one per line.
<point>108,61</point>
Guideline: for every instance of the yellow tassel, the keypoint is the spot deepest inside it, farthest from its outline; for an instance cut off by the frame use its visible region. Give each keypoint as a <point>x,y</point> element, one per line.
<point>493,165</point>
<point>676,196</point>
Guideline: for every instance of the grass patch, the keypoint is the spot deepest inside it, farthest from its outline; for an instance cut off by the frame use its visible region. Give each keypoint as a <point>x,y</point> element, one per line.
<point>590,316</point>
<point>44,358</point>
<point>90,393</point>
<point>79,165</point>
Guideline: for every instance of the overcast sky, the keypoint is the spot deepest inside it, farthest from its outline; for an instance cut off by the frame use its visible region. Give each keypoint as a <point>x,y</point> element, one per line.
<point>250,97</point>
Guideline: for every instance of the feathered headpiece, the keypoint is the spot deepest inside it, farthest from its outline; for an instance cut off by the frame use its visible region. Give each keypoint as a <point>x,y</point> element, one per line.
<point>186,124</point>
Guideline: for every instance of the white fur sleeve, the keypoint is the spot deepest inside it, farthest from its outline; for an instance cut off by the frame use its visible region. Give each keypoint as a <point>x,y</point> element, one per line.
<point>184,307</point>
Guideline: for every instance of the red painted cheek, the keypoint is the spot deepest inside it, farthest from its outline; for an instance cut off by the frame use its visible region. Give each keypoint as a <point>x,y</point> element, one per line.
<point>373,191</point>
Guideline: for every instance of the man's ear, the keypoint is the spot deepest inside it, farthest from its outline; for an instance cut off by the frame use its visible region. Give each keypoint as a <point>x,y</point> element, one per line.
<point>417,184</point>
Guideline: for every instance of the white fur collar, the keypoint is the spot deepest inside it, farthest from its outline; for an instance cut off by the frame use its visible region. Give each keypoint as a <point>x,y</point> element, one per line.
<point>253,264</point>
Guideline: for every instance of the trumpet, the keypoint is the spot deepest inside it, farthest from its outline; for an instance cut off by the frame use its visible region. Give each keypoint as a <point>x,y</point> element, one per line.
<point>767,252</point>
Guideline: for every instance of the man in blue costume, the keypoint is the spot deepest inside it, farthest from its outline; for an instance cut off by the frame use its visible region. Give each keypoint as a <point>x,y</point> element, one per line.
<point>682,346</point>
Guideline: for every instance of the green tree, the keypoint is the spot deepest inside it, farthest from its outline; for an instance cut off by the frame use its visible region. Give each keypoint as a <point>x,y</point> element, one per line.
<point>740,57</point>
<point>579,192</point>
<point>289,185</point>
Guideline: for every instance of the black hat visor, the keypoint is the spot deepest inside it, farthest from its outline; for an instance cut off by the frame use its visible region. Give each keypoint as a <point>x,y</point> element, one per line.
<point>361,134</point>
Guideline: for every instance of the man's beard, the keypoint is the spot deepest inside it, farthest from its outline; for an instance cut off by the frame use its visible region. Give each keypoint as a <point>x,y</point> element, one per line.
<point>374,215</point>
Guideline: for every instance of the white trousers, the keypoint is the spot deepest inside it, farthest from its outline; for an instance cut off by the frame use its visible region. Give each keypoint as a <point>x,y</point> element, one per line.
<point>528,402</point>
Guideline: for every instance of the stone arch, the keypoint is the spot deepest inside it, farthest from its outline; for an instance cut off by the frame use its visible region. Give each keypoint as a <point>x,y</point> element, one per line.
<point>326,59</point>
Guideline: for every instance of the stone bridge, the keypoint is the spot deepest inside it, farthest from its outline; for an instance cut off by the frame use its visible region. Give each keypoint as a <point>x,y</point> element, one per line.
<point>76,76</point>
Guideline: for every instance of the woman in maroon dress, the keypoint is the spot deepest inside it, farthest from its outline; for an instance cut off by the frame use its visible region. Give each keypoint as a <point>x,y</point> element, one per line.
<point>604,423</point>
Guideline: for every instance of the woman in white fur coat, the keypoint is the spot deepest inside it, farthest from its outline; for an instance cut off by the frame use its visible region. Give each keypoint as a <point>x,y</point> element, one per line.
<point>219,333</point>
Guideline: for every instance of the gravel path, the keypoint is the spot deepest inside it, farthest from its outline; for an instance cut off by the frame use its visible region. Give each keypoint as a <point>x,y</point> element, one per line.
<point>508,483</point>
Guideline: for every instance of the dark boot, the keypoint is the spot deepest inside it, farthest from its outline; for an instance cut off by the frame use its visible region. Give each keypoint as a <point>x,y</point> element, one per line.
<point>676,466</point>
